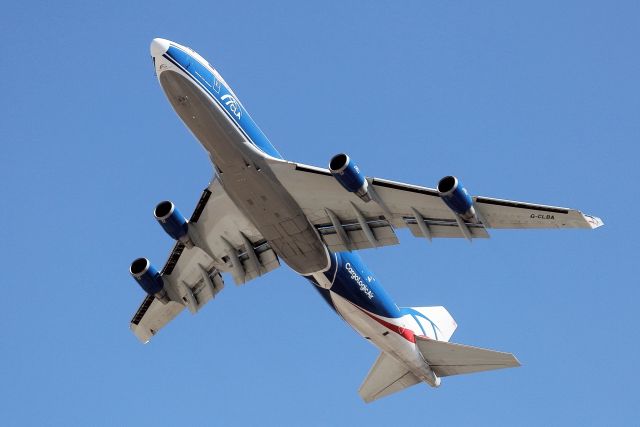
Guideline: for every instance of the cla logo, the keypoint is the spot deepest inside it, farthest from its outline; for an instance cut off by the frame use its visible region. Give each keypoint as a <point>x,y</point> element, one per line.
<point>354,276</point>
<point>232,105</point>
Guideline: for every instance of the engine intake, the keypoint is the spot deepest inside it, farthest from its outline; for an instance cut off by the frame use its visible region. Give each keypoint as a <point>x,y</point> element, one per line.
<point>347,173</point>
<point>171,220</point>
<point>147,276</point>
<point>457,198</point>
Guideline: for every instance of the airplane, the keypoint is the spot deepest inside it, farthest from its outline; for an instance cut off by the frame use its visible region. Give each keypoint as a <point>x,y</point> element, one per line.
<point>260,208</point>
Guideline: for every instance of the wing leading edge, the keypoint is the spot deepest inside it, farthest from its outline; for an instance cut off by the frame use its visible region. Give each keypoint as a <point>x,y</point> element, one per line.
<point>346,222</point>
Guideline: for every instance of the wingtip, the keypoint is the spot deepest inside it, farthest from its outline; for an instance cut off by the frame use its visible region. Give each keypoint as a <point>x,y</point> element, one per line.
<point>140,334</point>
<point>593,221</point>
<point>516,362</point>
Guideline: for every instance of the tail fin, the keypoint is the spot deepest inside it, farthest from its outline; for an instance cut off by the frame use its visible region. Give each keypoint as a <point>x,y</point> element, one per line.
<point>454,359</point>
<point>433,322</point>
<point>386,376</point>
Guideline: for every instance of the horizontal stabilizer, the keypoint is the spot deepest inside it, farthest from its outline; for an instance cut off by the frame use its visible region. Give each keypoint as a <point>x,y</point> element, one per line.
<point>386,376</point>
<point>448,359</point>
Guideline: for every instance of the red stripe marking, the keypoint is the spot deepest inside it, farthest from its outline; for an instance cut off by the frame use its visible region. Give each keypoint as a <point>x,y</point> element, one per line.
<point>406,333</point>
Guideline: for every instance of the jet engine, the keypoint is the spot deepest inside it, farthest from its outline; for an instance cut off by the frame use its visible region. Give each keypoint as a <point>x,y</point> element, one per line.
<point>147,276</point>
<point>172,221</point>
<point>347,173</point>
<point>457,197</point>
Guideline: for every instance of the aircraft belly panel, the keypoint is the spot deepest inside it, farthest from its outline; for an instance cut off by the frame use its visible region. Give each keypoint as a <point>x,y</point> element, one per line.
<point>247,178</point>
<point>369,328</point>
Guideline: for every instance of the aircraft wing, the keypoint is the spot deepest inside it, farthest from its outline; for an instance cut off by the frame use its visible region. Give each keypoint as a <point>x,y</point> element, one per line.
<point>346,222</point>
<point>227,242</point>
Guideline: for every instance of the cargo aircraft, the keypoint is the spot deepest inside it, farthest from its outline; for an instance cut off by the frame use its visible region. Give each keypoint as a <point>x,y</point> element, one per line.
<point>261,209</point>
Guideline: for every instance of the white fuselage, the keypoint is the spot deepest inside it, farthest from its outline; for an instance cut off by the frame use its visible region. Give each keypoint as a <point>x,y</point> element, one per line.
<point>241,156</point>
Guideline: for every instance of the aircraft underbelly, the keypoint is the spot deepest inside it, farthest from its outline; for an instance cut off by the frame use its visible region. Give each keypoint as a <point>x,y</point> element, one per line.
<point>247,178</point>
<point>366,326</point>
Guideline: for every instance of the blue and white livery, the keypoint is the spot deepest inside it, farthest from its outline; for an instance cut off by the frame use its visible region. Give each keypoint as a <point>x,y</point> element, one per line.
<point>260,209</point>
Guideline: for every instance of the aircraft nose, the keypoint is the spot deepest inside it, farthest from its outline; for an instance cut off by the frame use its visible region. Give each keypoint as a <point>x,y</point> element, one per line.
<point>159,47</point>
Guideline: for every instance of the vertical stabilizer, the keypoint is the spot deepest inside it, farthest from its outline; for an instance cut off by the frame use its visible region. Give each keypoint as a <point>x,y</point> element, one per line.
<point>433,322</point>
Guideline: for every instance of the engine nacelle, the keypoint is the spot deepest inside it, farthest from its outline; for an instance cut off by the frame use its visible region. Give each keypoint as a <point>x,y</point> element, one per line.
<point>172,221</point>
<point>457,197</point>
<point>347,173</point>
<point>147,276</point>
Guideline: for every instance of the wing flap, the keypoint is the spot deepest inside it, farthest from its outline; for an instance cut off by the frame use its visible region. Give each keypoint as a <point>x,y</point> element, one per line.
<point>356,238</point>
<point>445,228</point>
<point>268,261</point>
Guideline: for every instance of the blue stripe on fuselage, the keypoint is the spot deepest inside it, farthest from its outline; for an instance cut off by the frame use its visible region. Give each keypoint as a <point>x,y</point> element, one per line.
<point>351,279</point>
<point>224,97</point>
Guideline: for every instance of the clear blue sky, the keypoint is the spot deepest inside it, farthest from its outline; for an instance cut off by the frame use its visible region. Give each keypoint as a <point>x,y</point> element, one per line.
<point>536,101</point>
